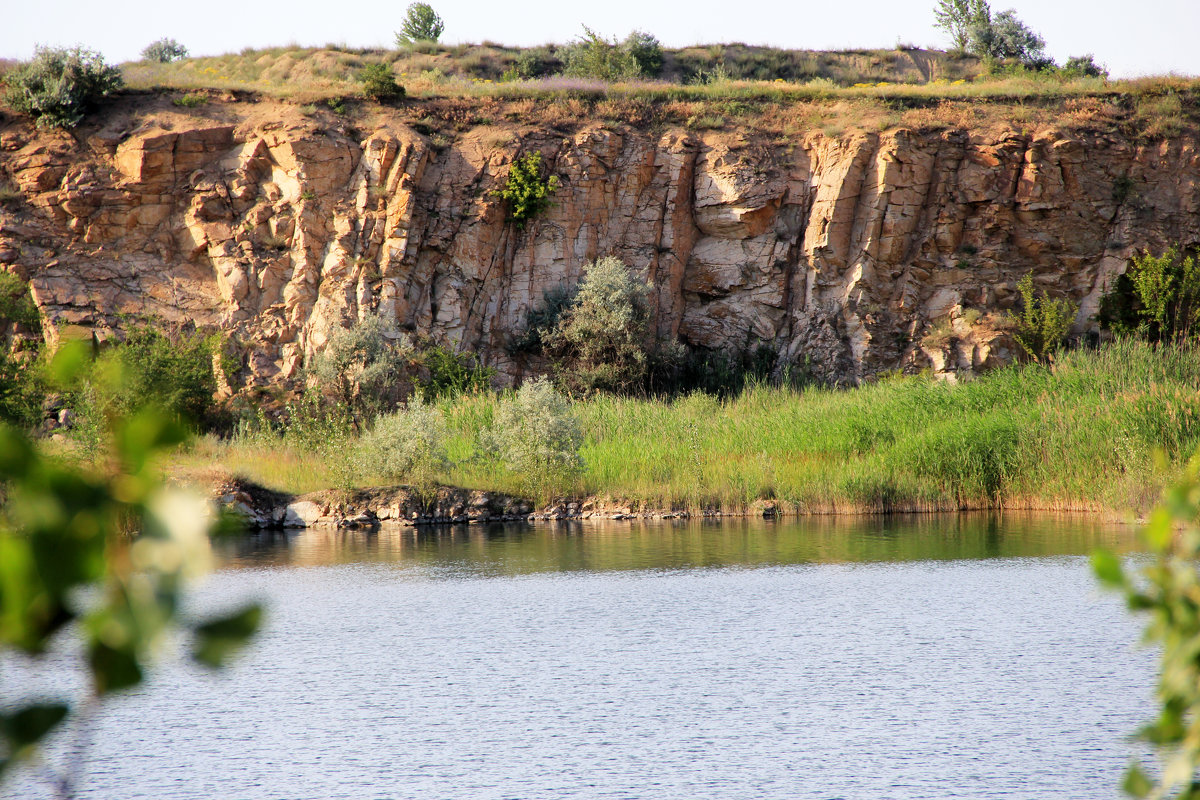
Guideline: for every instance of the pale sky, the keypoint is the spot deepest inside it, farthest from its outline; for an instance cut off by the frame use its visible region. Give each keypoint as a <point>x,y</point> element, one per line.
<point>1132,37</point>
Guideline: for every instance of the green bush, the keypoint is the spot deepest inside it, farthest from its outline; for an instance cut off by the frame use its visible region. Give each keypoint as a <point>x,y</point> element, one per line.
<point>959,17</point>
<point>1157,298</point>
<point>599,343</point>
<point>1084,67</point>
<point>21,390</point>
<point>535,435</point>
<point>525,190</point>
<point>593,56</point>
<point>1042,324</point>
<point>646,51</point>
<point>379,83</point>
<point>541,320</point>
<point>59,85</point>
<point>421,24</point>
<point>171,371</point>
<point>449,374</point>
<point>408,445</point>
<point>164,51</point>
<point>367,368</point>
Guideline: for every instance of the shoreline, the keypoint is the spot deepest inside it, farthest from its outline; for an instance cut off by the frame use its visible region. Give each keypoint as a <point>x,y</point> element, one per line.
<point>404,506</point>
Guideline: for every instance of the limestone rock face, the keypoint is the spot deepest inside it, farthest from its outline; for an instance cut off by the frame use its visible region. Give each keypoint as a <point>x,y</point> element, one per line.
<point>855,254</point>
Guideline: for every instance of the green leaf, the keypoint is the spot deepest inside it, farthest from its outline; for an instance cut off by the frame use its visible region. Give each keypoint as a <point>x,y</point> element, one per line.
<point>113,669</point>
<point>144,433</point>
<point>69,363</point>
<point>27,726</point>
<point>220,638</point>
<point>1108,569</point>
<point>1136,783</point>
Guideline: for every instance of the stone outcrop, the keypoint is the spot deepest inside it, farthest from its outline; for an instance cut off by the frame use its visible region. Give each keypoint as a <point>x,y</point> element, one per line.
<point>857,254</point>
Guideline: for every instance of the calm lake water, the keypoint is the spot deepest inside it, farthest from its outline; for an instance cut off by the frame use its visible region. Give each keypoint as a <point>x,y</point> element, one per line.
<point>932,657</point>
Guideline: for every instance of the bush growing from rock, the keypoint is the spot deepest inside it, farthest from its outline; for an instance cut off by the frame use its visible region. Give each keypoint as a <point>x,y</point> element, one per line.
<point>60,85</point>
<point>599,343</point>
<point>367,368</point>
<point>408,445</point>
<point>421,24</point>
<point>164,51</point>
<point>379,83</point>
<point>536,436</point>
<point>525,190</point>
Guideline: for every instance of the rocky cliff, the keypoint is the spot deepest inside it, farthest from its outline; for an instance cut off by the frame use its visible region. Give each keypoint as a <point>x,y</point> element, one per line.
<point>858,252</point>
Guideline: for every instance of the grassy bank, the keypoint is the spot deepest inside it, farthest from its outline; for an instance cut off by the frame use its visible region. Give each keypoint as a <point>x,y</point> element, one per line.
<point>1088,434</point>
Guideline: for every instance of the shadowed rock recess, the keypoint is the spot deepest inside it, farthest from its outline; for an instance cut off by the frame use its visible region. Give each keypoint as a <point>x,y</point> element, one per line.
<point>857,254</point>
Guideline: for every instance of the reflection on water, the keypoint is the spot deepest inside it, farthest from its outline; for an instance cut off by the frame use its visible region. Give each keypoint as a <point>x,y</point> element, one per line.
<point>968,657</point>
<point>514,549</point>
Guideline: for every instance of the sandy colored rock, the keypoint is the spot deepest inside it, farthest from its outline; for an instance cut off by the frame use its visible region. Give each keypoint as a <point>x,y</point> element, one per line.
<point>842,251</point>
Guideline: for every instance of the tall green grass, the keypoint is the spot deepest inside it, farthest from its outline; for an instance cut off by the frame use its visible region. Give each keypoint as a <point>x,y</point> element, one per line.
<point>1101,430</point>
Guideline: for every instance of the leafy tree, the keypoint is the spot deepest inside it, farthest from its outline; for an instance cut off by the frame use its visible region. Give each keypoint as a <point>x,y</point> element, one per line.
<point>379,83</point>
<point>537,437</point>
<point>165,51</point>
<point>599,343</point>
<point>1005,36</point>
<point>1170,593</point>
<point>1158,297</point>
<point>421,24</point>
<point>366,368</point>
<point>956,17</point>
<point>646,51</point>
<point>526,191</point>
<point>59,85</point>
<point>1043,323</point>
<point>109,549</point>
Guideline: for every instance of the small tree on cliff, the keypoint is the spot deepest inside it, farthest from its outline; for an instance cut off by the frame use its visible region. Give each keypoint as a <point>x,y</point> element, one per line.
<point>421,24</point>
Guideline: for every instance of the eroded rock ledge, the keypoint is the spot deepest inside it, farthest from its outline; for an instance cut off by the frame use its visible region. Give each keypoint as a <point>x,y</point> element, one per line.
<point>858,253</point>
<point>404,506</point>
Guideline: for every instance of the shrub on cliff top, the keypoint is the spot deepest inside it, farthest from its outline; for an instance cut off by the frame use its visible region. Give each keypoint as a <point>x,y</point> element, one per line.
<point>164,51</point>
<point>60,85</point>
<point>593,56</point>
<point>379,83</point>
